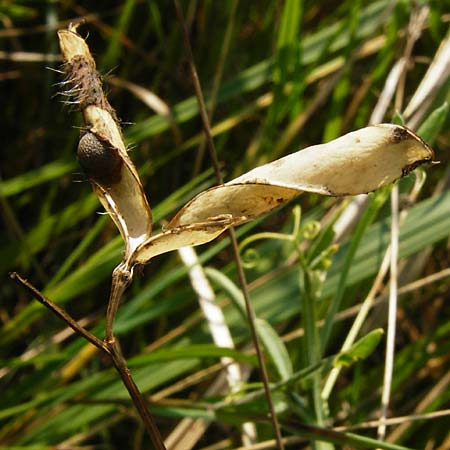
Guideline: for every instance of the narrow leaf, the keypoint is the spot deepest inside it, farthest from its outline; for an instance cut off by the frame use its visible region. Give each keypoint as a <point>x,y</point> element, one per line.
<point>433,124</point>
<point>360,349</point>
<point>275,348</point>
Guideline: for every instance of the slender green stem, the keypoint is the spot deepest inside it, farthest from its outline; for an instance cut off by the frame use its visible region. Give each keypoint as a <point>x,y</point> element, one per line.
<point>377,201</point>
<point>232,234</point>
<point>311,339</point>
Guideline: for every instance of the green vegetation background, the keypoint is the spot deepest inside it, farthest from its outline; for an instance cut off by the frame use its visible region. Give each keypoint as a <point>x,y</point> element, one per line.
<point>295,73</point>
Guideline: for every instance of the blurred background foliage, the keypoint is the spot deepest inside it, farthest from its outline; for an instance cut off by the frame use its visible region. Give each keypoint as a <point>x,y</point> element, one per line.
<point>277,76</point>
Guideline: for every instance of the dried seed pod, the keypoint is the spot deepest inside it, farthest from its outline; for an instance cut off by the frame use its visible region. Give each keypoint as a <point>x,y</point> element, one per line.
<point>356,163</point>
<point>101,151</point>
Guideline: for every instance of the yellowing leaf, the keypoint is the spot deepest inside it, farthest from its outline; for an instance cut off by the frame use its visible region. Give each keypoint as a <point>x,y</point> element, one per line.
<point>356,163</point>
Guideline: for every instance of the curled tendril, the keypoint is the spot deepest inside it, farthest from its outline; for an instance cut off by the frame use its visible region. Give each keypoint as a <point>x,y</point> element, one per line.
<point>323,261</point>
<point>311,230</point>
<point>251,256</point>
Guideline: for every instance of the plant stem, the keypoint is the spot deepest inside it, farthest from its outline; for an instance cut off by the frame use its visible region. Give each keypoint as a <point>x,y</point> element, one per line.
<point>110,346</point>
<point>94,340</point>
<point>121,278</point>
<point>376,202</point>
<point>232,234</point>
<point>312,339</point>
<point>136,396</point>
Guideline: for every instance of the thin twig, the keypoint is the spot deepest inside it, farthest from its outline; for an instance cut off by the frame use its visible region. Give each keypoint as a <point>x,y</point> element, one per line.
<point>199,94</point>
<point>121,278</point>
<point>111,348</point>
<point>221,336</point>
<point>217,80</point>
<point>94,340</point>
<point>135,394</point>
<point>232,234</point>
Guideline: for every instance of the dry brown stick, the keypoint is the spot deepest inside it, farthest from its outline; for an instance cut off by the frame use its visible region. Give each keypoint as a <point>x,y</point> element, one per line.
<point>94,340</point>
<point>111,349</point>
<point>232,234</point>
<point>216,82</point>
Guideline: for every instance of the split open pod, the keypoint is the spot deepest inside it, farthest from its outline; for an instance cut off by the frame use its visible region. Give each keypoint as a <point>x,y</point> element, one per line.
<point>356,163</point>
<point>101,151</point>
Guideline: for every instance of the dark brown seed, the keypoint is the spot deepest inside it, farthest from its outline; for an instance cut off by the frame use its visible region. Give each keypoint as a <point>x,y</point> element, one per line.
<point>100,161</point>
